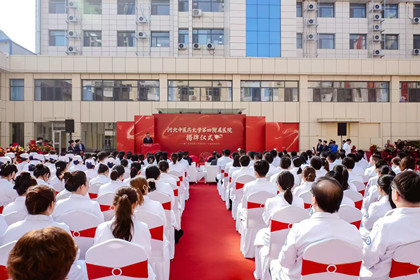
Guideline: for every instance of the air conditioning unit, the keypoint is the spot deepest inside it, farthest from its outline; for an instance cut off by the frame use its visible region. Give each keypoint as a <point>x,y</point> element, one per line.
<point>311,21</point>
<point>141,35</point>
<point>72,34</point>
<point>210,46</point>
<point>416,51</point>
<point>311,37</point>
<point>71,4</point>
<point>378,53</point>
<point>197,12</point>
<point>182,46</point>
<point>71,19</point>
<point>377,7</point>
<point>415,20</point>
<point>377,38</point>
<point>311,7</point>
<point>377,17</point>
<point>196,46</point>
<point>377,27</point>
<point>142,19</point>
<point>71,49</point>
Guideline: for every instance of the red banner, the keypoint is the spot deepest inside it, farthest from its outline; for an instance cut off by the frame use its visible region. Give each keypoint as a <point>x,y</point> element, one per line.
<point>199,134</point>
<point>125,136</point>
<point>282,136</point>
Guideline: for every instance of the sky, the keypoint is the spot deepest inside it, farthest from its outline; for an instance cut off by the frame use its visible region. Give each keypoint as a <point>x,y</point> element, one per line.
<point>17,20</point>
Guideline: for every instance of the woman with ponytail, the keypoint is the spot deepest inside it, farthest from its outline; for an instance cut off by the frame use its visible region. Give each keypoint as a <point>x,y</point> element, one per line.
<point>308,178</point>
<point>57,181</point>
<point>175,165</point>
<point>102,176</point>
<point>7,193</point>
<point>153,173</point>
<point>23,182</point>
<point>78,186</point>
<point>42,175</point>
<point>117,178</point>
<point>163,166</point>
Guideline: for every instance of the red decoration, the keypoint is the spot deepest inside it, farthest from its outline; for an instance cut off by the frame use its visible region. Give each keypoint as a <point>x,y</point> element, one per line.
<point>282,136</point>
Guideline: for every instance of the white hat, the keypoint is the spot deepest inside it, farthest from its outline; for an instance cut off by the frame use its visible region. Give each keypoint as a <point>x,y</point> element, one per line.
<point>39,157</point>
<point>78,158</point>
<point>24,155</point>
<point>63,158</point>
<point>33,153</point>
<point>5,159</point>
<point>10,155</point>
<point>53,157</point>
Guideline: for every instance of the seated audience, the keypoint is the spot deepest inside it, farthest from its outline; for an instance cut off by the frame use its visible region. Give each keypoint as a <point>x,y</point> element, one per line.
<point>23,182</point>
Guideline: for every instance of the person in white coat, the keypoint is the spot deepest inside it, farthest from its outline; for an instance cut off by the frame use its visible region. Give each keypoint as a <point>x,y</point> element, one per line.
<point>327,196</point>
<point>400,226</point>
<point>117,178</point>
<point>42,175</point>
<point>102,177</point>
<point>7,193</point>
<point>308,178</point>
<point>396,165</point>
<point>78,185</point>
<point>347,147</point>
<point>317,164</point>
<point>153,172</point>
<point>57,181</point>
<point>23,182</point>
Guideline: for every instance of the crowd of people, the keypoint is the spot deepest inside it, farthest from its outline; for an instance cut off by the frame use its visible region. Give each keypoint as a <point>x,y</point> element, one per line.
<point>368,203</point>
<point>45,201</point>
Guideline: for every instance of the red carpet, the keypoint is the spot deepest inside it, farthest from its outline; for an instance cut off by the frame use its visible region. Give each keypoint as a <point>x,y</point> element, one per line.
<point>209,249</point>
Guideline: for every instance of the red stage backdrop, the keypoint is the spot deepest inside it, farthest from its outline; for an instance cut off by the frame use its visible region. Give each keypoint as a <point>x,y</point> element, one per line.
<point>282,136</point>
<point>199,134</point>
<point>125,136</point>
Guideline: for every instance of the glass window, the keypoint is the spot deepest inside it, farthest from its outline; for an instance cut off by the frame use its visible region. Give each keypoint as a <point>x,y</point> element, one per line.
<point>17,133</point>
<point>390,42</point>
<point>409,91</point>
<point>326,10</point>
<point>92,38</point>
<point>390,11</point>
<point>298,9</point>
<point>160,7</point>
<point>357,10</point>
<point>57,6</point>
<point>209,5</point>
<point>416,10</point>
<point>92,7</point>
<point>126,7</point>
<point>57,38</point>
<point>17,88</point>
<point>348,91</point>
<point>182,5</point>
<point>326,41</point>
<point>126,38</point>
<point>99,136</point>
<point>298,40</point>
<point>416,41</point>
<point>205,36</point>
<point>53,90</point>
<point>183,36</point>
<point>265,91</point>
<point>357,41</point>
<point>160,39</point>
<point>120,90</point>
<point>200,91</point>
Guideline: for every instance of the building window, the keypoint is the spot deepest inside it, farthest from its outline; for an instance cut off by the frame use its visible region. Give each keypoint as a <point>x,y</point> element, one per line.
<point>126,7</point>
<point>205,36</point>
<point>99,136</point>
<point>390,11</point>
<point>182,5</point>
<point>298,40</point>
<point>160,39</point>
<point>326,41</point>
<point>57,6</point>
<point>53,90</point>
<point>126,38</point>
<point>326,10</point>
<point>409,91</point>
<point>209,5</point>
<point>265,91</point>
<point>298,9</point>
<point>357,10</point>
<point>200,91</point>
<point>92,7</point>
<point>416,41</point>
<point>120,90</point>
<point>160,7</point>
<point>183,36</point>
<point>390,42</point>
<point>57,38</point>
<point>92,38</point>
<point>17,133</point>
<point>357,41</point>
<point>320,91</point>
<point>17,88</point>
<point>416,10</point>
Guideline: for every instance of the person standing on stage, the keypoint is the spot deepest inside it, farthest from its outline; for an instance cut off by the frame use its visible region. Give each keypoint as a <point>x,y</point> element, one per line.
<point>147,139</point>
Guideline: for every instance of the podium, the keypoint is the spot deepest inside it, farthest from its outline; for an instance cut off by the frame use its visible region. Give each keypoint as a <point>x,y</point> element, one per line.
<point>150,148</point>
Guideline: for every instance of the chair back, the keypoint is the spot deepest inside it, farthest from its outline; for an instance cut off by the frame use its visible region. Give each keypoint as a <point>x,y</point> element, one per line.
<point>166,202</point>
<point>4,256</point>
<point>211,173</point>
<point>281,223</point>
<point>357,198</point>
<point>117,259</point>
<point>351,215</point>
<point>93,190</point>
<point>359,186</point>
<point>255,204</point>
<point>307,199</point>
<point>406,262</point>
<point>179,176</point>
<point>82,227</point>
<point>155,225</point>
<point>14,217</point>
<point>106,204</point>
<point>239,185</point>
<point>331,259</point>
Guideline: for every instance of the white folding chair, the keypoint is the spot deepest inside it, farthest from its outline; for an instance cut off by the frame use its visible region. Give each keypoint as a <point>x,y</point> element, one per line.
<point>351,215</point>
<point>117,259</point>
<point>93,190</point>
<point>4,256</point>
<point>253,221</point>
<point>307,199</point>
<point>195,175</point>
<point>82,227</point>
<point>361,188</point>
<point>159,259</point>
<point>106,204</point>
<point>357,198</point>
<point>211,173</point>
<point>406,262</point>
<point>14,217</point>
<point>238,192</point>
<point>330,256</point>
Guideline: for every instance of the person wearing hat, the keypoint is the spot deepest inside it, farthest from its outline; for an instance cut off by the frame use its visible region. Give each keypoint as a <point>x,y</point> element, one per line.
<point>24,157</point>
